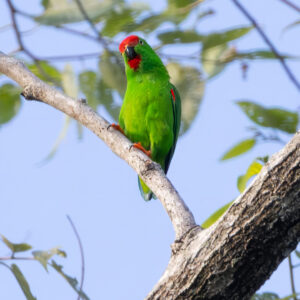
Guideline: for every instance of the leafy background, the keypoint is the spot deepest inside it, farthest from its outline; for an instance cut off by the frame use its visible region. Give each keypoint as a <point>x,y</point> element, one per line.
<point>239,107</point>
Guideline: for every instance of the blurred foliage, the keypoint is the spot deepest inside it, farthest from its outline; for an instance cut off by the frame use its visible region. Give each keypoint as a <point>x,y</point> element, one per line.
<point>43,257</point>
<point>9,102</point>
<point>215,216</point>
<point>272,296</point>
<point>273,117</point>
<point>189,82</point>
<point>23,283</point>
<point>15,247</point>
<point>105,85</point>
<point>252,170</point>
<point>46,72</point>
<point>239,149</point>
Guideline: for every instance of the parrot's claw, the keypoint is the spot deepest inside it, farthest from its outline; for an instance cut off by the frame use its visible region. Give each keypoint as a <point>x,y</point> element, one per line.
<point>116,127</point>
<point>140,147</point>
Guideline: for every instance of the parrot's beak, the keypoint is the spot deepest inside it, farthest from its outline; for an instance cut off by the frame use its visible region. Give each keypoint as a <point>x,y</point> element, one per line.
<point>130,53</point>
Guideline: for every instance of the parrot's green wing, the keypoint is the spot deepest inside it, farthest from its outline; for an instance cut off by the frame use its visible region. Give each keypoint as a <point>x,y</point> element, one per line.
<point>176,107</point>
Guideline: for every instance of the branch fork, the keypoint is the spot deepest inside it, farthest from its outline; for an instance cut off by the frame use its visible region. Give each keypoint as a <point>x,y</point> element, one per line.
<point>255,234</point>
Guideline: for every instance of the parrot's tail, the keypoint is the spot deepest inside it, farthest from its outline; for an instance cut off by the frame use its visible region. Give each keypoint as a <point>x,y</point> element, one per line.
<point>145,191</point>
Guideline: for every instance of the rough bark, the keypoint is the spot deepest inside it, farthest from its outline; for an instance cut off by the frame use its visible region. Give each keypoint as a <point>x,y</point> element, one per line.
<point>235,256</point>
<point>232,258</point>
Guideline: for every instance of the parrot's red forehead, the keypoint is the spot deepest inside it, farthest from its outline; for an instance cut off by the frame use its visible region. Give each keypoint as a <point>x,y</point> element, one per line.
<point>130,41</point>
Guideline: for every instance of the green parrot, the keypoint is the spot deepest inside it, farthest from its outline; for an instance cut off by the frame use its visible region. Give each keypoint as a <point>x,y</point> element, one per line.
<point>151,110</point>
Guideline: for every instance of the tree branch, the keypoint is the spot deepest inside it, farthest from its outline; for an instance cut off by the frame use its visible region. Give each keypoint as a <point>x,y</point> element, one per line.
<point>151,173</point>
<point>90,22</point>
<point>22,46</point>
<point>269,43</point>
<point>292,5</point>
<point>236,255</point>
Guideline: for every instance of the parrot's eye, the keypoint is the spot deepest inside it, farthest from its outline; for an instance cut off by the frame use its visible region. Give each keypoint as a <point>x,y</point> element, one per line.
<point>141,42</point>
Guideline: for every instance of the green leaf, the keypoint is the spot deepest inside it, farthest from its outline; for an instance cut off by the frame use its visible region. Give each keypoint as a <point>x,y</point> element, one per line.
<point>123,19</point>
<point>60,12</point>
<point>221,38</point>
<point>215,59</point>
<point>45,3</point>
<point>72,281</point>
<point>97,92</point>
<point>239,149</point>
<point>22,282</point>
<point>89,85</point>
<point>112,72</point>
<point>296,23</point>
<point>15,247</point>
<point>209,41</point>
<point>290,297</point>
<point>61,136</point>
<point>116,22</point>
<point>178,36</point>
<point>297,253</point>
<point>263,159</point>
<point>177,4</point>
<point>146,25</point>
<point>216,215</point>
<point>9,102</point>
<point>252,170</point>
<point>188,81</point>
<point>69,83</point>
<point>273,117</point>
<point>44,256</point>
<point>70,87</point>
<point>265,296</point>
<point>45,72</point>
<point>261,54</point>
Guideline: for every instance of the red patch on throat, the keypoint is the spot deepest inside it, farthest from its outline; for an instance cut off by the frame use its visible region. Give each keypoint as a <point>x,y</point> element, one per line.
<point>173,95</point>
<point>134,63</point>
<point>130,41</point>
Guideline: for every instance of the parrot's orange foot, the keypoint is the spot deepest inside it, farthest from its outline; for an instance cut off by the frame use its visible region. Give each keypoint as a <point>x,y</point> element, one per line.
<point>140,147</point>
<point>116,127</point>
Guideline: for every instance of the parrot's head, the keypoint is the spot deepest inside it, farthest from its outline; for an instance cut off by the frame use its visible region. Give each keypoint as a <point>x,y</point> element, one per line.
<point>139,56</point>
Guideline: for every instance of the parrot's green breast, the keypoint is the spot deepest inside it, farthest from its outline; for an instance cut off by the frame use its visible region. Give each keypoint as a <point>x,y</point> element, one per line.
<point>147,116</point>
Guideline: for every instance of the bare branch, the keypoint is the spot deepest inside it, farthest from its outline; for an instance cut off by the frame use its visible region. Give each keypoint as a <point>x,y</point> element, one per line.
<point>22,46</point>
<point>151,172</point>
<point>291,267</point>
<point>17,258</point>
<point>269,43</point>
<point>290,4</point>
<point>69,57</point>
<point>90,22</point>
<point>81,254</point>
<point>256,233</point>
<point>79,33</point>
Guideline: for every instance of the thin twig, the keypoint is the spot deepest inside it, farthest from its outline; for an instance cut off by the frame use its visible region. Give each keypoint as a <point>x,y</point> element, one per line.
<point>5,27</point>
<point>90,22</point>
<point>81,254</point>
<point>16,258</point>
<point>189,7</point>
<point>92,25</point>
<point>18,32</point>
<point>79,33</point>
<point>71,56</point>
<point>268,42</point>
<point>290,4</point>
<point>292,277</point>
<point>22,46</point>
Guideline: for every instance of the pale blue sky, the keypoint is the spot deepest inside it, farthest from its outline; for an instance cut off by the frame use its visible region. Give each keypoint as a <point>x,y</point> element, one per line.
<point>127,241</point>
